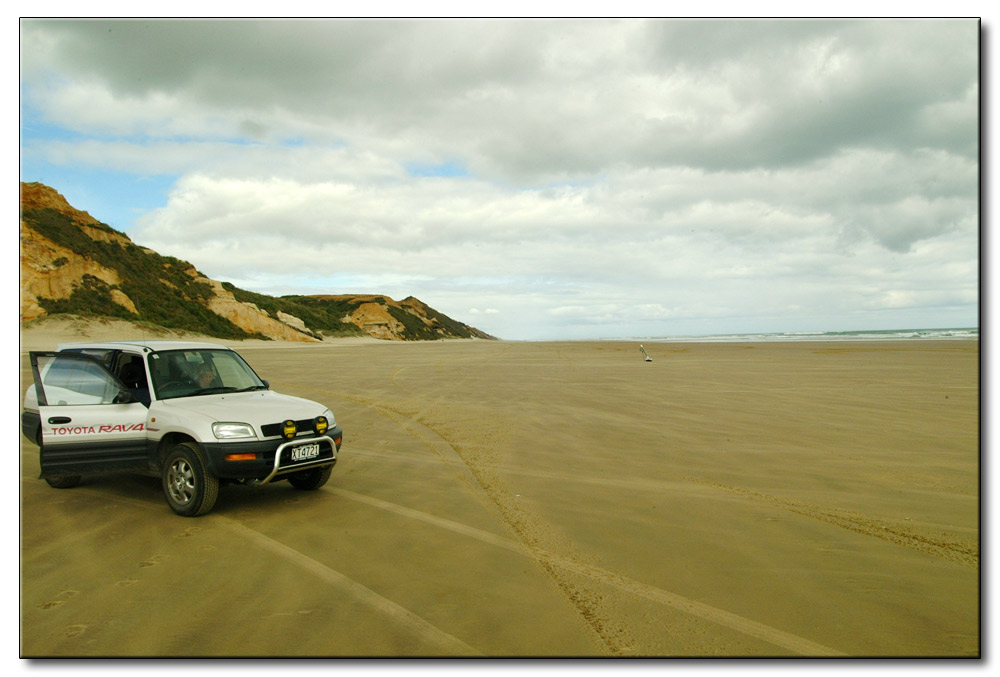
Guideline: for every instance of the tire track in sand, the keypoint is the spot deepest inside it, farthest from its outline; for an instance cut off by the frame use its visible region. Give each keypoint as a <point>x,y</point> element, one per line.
<point>476,469</point>
<point>964,553</point>
<point>448,644</point>
<point>479,473</point>
<point>749,627</point>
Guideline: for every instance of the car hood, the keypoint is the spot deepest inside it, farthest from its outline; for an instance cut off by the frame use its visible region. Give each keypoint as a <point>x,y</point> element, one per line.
<point>256,408</point>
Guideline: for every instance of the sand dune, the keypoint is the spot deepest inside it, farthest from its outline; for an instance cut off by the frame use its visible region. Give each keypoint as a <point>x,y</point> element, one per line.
<point>551,499</point>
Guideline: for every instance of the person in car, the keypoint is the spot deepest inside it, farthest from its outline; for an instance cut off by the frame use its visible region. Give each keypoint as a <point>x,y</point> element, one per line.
<point>206,377</point>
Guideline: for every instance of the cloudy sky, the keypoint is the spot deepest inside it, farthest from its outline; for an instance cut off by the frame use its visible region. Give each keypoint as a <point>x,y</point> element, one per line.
<point>537,179</point>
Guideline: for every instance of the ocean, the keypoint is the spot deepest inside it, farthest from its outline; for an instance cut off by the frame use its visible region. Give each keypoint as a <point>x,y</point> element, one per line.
<point>963,333</point>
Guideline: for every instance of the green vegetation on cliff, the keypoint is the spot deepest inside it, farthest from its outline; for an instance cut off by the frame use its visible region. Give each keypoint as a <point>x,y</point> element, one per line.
<point>159,286</point>
<point>319,315</point>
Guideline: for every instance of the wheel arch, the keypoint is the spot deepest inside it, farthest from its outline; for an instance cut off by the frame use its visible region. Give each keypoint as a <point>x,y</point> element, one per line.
<point>168,442</point>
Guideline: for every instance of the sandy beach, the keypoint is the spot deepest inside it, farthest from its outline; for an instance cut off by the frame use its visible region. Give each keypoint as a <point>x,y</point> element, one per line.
<point>548,499</point>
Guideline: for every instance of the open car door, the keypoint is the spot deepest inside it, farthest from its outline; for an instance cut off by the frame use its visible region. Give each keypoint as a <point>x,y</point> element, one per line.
<point>90,421</point>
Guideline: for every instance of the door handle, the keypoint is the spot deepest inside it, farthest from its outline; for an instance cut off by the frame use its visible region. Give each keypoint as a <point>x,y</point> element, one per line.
<point>59,419</point>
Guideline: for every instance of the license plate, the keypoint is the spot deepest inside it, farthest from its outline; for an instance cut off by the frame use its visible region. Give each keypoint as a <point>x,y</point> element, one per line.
<point>305,452</point>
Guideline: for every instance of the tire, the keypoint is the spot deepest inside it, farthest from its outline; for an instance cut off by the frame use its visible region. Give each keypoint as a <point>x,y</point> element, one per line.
<point>188,485</point>
<point>65,482</point>
<point>310,480</point>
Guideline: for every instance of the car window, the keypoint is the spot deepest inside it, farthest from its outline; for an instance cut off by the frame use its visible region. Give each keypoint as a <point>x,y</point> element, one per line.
<point>103,355</point>
<point>187,373</point>
<point>70,381</point>
<point>131,371</point>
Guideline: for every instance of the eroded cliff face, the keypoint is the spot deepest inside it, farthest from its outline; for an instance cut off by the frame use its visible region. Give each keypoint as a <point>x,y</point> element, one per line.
<point>374,319</point>
<point>51,271</point>
<point>252,319</point>
<point>40,196</point>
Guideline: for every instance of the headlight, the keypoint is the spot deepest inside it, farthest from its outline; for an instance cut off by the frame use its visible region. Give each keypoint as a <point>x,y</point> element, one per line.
<point>232,431</point>
<point>328,415</point>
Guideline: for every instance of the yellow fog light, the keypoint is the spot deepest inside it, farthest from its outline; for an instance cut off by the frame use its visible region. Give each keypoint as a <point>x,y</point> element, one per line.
<point>321,425</point>
<point>288,429</point>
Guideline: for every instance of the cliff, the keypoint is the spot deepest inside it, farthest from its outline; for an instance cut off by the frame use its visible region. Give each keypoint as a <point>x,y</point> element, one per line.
<point>72,263</point>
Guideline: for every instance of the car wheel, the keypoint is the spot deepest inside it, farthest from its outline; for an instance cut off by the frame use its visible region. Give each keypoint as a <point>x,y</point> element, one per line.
<point>66,482</point>
<point>310,480</point>
<point>190,488</point>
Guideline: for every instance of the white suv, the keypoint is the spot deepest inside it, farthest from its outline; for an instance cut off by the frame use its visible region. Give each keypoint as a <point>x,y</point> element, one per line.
<point>194,414</point>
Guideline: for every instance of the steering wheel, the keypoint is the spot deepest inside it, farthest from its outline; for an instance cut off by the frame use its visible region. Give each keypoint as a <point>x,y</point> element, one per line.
<point>172,385</point>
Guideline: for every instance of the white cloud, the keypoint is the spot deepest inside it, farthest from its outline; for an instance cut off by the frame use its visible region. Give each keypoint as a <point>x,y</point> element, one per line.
<point>597,177</point>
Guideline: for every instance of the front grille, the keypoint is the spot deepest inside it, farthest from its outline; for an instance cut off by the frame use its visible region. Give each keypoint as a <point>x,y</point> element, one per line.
<point>274,429</point>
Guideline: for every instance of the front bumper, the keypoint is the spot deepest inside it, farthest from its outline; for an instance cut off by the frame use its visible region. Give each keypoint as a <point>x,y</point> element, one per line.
<point>271,459</point>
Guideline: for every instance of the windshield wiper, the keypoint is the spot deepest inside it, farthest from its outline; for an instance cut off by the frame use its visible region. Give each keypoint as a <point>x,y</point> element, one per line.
<point>246,390</point>
<point>212,390</point>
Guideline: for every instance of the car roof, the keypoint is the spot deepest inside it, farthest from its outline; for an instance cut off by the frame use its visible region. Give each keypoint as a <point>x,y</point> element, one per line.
<point>143,346</point>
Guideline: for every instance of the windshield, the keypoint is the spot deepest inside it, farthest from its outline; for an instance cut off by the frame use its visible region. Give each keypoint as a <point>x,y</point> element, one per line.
<point>187,373</point>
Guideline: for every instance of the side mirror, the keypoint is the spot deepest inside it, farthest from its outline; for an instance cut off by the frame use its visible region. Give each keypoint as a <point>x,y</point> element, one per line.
<point>124,397</point>
<point>267,384</point>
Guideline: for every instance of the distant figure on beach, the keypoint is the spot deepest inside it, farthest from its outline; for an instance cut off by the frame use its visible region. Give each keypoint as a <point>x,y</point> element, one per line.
<point>648,358</point>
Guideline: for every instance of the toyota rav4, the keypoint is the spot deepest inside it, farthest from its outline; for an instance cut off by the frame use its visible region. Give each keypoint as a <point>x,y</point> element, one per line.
<point>194,414</point>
